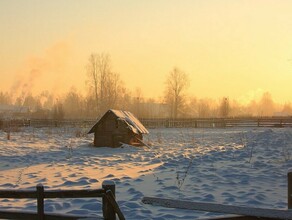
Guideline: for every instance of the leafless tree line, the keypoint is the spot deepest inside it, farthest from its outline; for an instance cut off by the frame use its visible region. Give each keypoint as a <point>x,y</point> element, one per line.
<point>105,86</point>
<point>107,91</point>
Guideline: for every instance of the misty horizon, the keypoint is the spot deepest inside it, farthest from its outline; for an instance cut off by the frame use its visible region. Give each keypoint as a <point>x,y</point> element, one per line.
<point>146,107</point>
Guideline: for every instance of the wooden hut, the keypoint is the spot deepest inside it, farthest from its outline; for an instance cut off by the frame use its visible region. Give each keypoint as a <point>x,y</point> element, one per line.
<point>116,127</point>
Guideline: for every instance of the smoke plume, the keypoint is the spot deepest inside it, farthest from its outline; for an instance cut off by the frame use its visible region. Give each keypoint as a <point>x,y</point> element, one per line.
<point>41,71</point>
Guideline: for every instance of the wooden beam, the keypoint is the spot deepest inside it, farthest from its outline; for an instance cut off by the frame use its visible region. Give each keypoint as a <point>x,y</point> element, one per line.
<point>211,207</point>
<point>18,215</point>
<point>18,194</point>
<point>28,194</point>
<point>33,216</point>
<point>111,198</point>
<point>107,209</point>
<point>40,201</point>
<point>74,193</point>
<point>237,217</point>
<point>289,196</point>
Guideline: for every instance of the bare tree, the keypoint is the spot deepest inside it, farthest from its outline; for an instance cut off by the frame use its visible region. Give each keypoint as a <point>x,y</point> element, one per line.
<point>287,109</point>
<point>5,98</point>
<point>177,83</point>
<point>204,109</point>
<point>105,75</point>
<point>138,99</point>
<point>224,107</point>
<point>266,105</point>
<point>58,112</point>
<point>103,82</point>
<point>125,99</point>
<point>92,71</point>
<point>112,90</point>
<point>47,99</point>
<point>90,106</point>
<point>73,104</point>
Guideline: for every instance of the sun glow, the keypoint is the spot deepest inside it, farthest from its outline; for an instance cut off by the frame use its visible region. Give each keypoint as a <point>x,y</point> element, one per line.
<point>227,48</point>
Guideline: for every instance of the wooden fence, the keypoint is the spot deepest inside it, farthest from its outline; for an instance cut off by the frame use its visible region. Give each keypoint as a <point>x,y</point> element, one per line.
<point>13,123</point>
<point>62,123</point>
<point>160,122</point>
<point>219,122</point>
<point>237,211</point>
<point>109,205</point>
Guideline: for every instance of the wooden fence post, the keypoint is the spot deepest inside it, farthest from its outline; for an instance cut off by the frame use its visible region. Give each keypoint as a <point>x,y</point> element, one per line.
<point>107,209</point>
<point>289,188</point>
<point>40,201</point>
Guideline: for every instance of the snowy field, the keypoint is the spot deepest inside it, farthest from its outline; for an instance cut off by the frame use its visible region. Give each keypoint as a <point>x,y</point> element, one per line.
<point>240,166</point>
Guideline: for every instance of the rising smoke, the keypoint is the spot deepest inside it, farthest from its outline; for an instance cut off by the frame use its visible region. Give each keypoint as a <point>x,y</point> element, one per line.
<point>42,72</point>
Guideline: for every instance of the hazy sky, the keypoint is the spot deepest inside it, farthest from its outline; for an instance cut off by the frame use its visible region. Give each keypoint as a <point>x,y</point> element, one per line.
<point>234,48</point>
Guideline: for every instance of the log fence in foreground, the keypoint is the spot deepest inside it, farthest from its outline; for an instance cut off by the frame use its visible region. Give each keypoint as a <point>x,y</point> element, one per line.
<point>109,205</point>
<point>238,212</point>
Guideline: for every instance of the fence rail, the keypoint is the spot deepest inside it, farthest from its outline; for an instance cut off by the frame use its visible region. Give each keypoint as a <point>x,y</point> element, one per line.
<point>160,122</point>
<point>219,122</point>
<point>239,211</point>
<point>109,205</point>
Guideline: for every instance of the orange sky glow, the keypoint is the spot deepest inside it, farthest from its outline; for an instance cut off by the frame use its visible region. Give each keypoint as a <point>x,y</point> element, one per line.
<point>237,49</point>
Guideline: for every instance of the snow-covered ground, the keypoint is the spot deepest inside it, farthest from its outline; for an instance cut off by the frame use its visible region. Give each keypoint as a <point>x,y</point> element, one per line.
<point>240,166</point>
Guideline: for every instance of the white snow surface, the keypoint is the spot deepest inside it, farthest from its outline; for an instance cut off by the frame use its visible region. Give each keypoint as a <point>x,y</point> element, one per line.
<point>236,166</point>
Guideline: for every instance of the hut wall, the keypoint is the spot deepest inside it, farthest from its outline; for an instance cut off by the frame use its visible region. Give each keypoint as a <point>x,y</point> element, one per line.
<point>111,132</point>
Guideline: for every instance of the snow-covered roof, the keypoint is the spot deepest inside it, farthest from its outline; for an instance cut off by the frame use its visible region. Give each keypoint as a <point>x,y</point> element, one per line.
<point>133,123</point>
